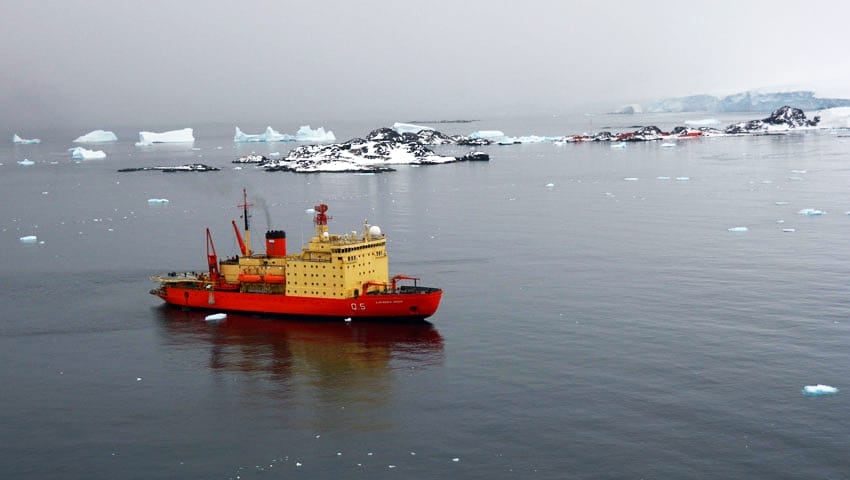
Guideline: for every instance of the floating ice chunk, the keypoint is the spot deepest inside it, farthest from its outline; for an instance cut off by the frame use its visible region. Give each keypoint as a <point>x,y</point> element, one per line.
<point>456,459</point>
<point>618,145</point>
<point>819,389</point>
<point>307,134</point>
<point>215,317</point>
<point>409,128</point>
<point>97,136</point>
<point>173,136</point>
<point>662,178</point>
<point>668,144</point>
<point>798,171</point>
<point>24,141</point>
<point>780,203</point>
<point>811,212</point>
<point>80,153</point>
<point>631,179</point>
<point>26,162</point>
<point>795,179</point>
<point>157,201</point>
<point>29,239</point>
<point>738,229</point>
<point>550,185</point>
<point>347,319</point>
<point>789,230</point>
<point>683,179</point>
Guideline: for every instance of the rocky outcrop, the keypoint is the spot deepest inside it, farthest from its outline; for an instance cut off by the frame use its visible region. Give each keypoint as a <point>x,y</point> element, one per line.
<point>784,118</point>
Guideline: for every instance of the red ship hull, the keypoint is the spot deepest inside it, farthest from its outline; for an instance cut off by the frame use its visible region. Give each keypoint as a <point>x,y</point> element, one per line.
<point>409,303</point>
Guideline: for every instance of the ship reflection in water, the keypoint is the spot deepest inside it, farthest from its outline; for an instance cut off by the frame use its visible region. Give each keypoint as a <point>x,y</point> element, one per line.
<point>323,365</point>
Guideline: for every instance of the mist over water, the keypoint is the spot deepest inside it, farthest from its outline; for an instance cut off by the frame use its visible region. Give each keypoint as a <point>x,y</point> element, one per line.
<point>591,326</point>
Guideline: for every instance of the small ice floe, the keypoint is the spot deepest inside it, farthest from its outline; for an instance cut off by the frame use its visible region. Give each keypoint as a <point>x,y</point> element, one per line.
<point>157,201</point>
<point>456,459</point>
<point>29,239</point>
<point>26,162</point>
<point>816,390</point>
<point>795,179</point>
<point>789,230</point>
<point>618,145</point>
<point>780,203</point>
<point>138,379</point>
<point>631,179</point>
<point>811,212</point>
<point>798,171</point>
<point>215,317</point>
<point>24,141</point>
<point>310,211</point>
<point>767,182</point>
<point>80,153</point>
<point>347,319</point>
<point>550,185</point>
<point>683,179</point>
<point>668,145</point>
<point>738,229</point>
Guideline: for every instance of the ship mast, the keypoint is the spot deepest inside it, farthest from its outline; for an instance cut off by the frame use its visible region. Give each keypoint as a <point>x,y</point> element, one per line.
<point>246,216</point>
<point>321,221</point>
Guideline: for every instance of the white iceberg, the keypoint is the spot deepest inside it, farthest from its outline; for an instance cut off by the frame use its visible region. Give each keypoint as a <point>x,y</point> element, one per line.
<point>409,128</point>
<point>80,153</point>
<point>174,136</point>
<point>25,141</point>
<point>618,145</point>
<point>811,212</point>
<point>704,122</point>
<point>815,390</point>
<point>488,134</point>
<point>270,135</point>
<point>834,117</point>
<point>29,239</point>
<point>307,134</point>
<point>157,201</point>
<point>97,136</point>
<point>738,229</point>
<point>215,317</point>
<point>26,162</point>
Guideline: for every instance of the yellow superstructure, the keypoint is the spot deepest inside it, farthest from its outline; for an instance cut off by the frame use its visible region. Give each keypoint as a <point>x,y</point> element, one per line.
<point>329,266</point>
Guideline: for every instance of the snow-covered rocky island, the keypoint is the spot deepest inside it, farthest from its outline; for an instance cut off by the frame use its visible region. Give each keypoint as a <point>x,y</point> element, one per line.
<point>783,120</point>
<point>382,149</point>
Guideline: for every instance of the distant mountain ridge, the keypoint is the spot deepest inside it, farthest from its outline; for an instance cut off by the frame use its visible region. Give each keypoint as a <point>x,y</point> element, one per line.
<point>746,102</point>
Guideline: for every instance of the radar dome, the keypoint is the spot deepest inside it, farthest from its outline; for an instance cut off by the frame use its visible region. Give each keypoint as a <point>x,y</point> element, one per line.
<point>374,231</point>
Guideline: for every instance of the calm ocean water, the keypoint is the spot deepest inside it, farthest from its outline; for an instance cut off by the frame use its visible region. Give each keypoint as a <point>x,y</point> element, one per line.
<point>608,325</point>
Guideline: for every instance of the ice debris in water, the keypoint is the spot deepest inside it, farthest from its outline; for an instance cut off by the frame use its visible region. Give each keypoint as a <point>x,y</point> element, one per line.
<point>819,389</point>
<point>668,145</point>
<point>29,239</point>
<point>631,179</point>
<point>789,230</point>
<point>215,317</point>
<point>618,145</point>
<point>662,178</point>
<point>157,201</point>
<point>683,179</point>
<point>780,203</point>
<point>811,212</point>
<point>738,229</point>
<point>550,185</point>
<point>26,162</point>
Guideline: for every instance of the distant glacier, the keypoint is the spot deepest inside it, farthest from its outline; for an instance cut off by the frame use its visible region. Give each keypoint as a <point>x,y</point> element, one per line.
<point>746,102</point>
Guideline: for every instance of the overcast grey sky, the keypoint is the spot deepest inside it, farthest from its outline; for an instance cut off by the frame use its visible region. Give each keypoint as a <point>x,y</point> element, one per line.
<point>169,62</point>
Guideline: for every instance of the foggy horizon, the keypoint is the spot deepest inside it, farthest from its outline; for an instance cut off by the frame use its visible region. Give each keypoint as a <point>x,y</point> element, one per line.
<point>98,64</point>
